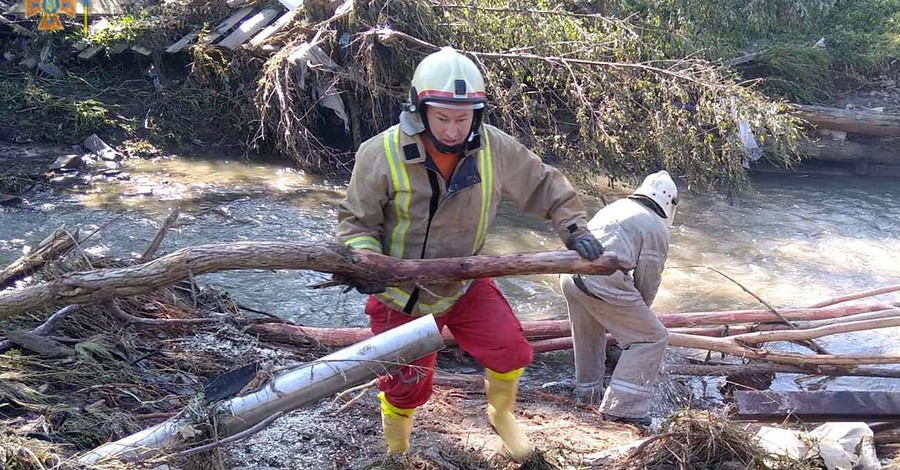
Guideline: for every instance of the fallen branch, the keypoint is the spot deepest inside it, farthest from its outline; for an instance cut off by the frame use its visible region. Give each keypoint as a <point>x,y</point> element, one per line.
<point>738,369</point>
<point>760,337</point>
<point>104,284</point>
<point>729,346</point>
<point>163,230</point>
<point>858,295</point>
<point>131,319</point>
<point>237,437</point>
<point>45,328</point>
<point>51,248</point>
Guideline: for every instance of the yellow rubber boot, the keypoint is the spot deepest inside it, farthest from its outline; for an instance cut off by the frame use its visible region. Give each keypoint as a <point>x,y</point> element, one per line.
<point>501,389</point>
<point>397,424</point>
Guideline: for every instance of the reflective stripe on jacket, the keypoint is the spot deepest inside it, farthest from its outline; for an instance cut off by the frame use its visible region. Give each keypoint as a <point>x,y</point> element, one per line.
<point>640,238</point>
<point>398,204</point>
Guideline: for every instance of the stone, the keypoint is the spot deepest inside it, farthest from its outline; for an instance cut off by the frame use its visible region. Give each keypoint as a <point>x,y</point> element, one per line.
<point>67,161</point>
<point>99,147</point>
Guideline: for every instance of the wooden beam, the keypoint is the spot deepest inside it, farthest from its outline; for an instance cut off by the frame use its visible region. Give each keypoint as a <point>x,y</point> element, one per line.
<point>859,122</point>
<point>249,27</point>
<point>818,406</point>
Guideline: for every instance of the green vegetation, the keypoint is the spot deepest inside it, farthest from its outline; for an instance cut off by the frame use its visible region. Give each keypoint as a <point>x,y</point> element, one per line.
<point>619,87</point>
<point>55,110</point>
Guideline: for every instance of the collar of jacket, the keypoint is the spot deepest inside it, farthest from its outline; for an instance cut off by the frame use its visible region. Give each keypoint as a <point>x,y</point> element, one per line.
<point>412,126</point>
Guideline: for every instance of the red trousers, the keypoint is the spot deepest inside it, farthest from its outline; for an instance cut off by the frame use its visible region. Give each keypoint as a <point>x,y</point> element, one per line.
<point>484,326</point>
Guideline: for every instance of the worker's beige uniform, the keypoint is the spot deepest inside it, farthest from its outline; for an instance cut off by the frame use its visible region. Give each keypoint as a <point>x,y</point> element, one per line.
<point>620,304</point>
<point>394,207</point>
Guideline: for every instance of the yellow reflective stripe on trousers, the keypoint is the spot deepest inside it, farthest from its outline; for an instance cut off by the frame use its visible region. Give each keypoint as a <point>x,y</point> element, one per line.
<point>487,191</point>
<point>402,191</point>
<point>364,242</point>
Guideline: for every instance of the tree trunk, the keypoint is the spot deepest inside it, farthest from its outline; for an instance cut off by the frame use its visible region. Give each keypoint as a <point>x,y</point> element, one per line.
<point>859,122</point>
<point>103,284</point>
<point>849,152</point>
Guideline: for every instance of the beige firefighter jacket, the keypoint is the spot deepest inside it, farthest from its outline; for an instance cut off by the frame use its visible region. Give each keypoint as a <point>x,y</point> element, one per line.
<point>398,204</point>
<point>640,238</point>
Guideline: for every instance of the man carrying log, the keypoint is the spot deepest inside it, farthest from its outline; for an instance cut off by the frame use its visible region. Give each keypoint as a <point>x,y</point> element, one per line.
<point>429,188</point>
<point>636,230</point>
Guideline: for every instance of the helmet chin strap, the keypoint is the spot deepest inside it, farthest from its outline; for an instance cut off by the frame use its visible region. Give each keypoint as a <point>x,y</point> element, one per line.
<point>458,148</point>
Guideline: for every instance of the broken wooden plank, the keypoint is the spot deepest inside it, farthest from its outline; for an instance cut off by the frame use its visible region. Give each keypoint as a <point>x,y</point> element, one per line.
<point>249,27</point>
<point>183,42</point>
<point>270,30</point>
<point>818,406</point>
<point>226,25</point>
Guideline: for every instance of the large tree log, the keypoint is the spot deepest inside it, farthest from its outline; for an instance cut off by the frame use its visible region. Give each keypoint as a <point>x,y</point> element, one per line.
<point>849,152</point>
<point>103,284</point>
<point>859,122</point>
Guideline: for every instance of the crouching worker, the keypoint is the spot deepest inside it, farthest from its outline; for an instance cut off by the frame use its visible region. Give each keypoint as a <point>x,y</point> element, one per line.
<point>429,188</point>
<point>636,229</point>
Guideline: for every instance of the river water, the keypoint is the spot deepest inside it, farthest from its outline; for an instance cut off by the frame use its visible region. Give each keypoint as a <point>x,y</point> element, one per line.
<point>792,240</point>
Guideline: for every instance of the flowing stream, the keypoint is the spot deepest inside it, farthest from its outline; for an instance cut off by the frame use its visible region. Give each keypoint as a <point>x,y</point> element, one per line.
<point>791,240</point>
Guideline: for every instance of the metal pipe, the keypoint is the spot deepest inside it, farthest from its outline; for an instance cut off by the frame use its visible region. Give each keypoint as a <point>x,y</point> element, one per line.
<point>303,385</point>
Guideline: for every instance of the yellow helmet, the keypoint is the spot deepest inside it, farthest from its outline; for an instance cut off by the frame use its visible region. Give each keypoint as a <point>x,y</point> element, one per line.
<point>447,79</point>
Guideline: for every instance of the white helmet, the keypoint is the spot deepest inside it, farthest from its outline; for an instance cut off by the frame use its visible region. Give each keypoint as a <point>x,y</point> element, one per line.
<point>447,79</point>
<point>662,190</point>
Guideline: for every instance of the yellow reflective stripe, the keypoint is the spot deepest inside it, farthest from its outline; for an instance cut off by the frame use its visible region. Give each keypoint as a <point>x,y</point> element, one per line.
<point>396,295</point>
<point>364,242</point>
<point>390,410</point>
<point>402,190</point>
<point>487,192</point>
<point>445,302</point>
<point>511,375</point>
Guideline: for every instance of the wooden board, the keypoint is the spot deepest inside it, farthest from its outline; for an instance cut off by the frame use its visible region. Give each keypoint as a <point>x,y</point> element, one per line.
<point>183,42</point>
<point>249,27</point>
<point>818,406</point>
<point>273,28</point>
<point>226,25</point>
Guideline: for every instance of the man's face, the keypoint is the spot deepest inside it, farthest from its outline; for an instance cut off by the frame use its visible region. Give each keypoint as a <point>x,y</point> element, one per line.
<point>449,126</point>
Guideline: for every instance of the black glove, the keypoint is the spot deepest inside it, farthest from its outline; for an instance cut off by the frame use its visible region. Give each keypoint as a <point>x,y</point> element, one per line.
<point>369,288</point>
<point>587,246</point>
<point>363,287</point>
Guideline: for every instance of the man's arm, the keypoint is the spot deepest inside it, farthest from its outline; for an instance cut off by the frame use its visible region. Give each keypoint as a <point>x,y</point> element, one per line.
<point>361,213</point>
<point>540,189</point>
<point>648,272</point>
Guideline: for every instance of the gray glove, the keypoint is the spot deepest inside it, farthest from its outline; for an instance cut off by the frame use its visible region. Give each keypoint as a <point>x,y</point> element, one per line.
<point>587,246</point>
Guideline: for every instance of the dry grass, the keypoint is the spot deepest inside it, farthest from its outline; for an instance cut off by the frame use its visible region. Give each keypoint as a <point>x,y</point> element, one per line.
<point>697,440</point>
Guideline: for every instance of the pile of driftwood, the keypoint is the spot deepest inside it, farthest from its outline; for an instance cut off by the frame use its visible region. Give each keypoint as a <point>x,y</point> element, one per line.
<point>738,333</point>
